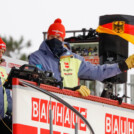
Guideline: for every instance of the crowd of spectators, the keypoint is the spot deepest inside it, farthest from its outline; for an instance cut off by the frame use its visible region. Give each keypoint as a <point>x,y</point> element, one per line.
<point>85,51</point>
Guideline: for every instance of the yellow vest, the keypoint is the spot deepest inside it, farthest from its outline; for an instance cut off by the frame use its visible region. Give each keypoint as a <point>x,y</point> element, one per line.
<point>69,71</point>
<point>3,76</point>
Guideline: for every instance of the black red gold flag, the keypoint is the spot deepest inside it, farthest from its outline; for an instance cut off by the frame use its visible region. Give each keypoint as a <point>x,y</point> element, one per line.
<point>121,25</point>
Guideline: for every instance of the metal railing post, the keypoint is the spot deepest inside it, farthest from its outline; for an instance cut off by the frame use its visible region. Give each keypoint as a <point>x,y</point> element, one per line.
<point>125,90</point>
<point>51,118</point>
<point>76,126</point>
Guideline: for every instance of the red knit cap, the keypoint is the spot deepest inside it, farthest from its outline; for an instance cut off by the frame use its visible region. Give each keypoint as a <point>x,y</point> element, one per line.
<point>57,29</point>
<point>2,45</point>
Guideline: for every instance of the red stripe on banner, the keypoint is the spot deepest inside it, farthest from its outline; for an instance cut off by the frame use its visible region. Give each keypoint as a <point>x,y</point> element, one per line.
<point>108,25</point>
<point>46,131</point>
<point>129,29</point>
<point>24,129</point>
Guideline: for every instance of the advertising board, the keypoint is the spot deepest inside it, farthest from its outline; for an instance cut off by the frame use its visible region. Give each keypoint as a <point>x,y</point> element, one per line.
<point>31,114</point>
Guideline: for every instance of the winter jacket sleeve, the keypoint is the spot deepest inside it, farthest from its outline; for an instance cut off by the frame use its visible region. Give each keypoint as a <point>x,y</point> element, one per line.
<point>34,60</point>
<point>97,72</point>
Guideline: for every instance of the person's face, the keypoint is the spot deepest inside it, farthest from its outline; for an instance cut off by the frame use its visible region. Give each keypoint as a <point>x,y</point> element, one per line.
<point>54,36</point>
<point>1,53</point>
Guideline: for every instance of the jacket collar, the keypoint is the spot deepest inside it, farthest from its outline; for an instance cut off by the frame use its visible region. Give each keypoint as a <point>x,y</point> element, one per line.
<point>45,47</point>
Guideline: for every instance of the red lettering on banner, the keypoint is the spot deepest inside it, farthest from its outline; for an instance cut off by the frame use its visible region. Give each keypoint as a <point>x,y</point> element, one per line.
<point>10,65</point>
<point>92,59</point>
<point>108,124</point>
<point>43,111</point>
<point>59,114</point>
<point>130,126</point>
<point>123,125</point>
<point>115,124</point>
<point>53,107</point>
<point>35,109</point>
<point>62,116</point>
<point>118,125</point>
<point>83,111</point>
<point>74,117</point>
<point>67,117</point>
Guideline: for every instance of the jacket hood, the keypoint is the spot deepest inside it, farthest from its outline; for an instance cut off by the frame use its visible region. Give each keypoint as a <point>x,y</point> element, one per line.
<point>44,46</point>
<point>68,45</point>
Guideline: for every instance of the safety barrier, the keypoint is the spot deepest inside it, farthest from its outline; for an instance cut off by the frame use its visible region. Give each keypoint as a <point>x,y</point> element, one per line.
<point>32,110</point>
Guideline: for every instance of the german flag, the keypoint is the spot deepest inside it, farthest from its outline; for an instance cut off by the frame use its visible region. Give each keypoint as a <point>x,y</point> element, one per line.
<point>121,25</point>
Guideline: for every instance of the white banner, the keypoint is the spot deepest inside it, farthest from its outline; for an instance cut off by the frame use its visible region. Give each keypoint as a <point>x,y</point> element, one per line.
<point>31,114</point>
<point>12,62</point>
